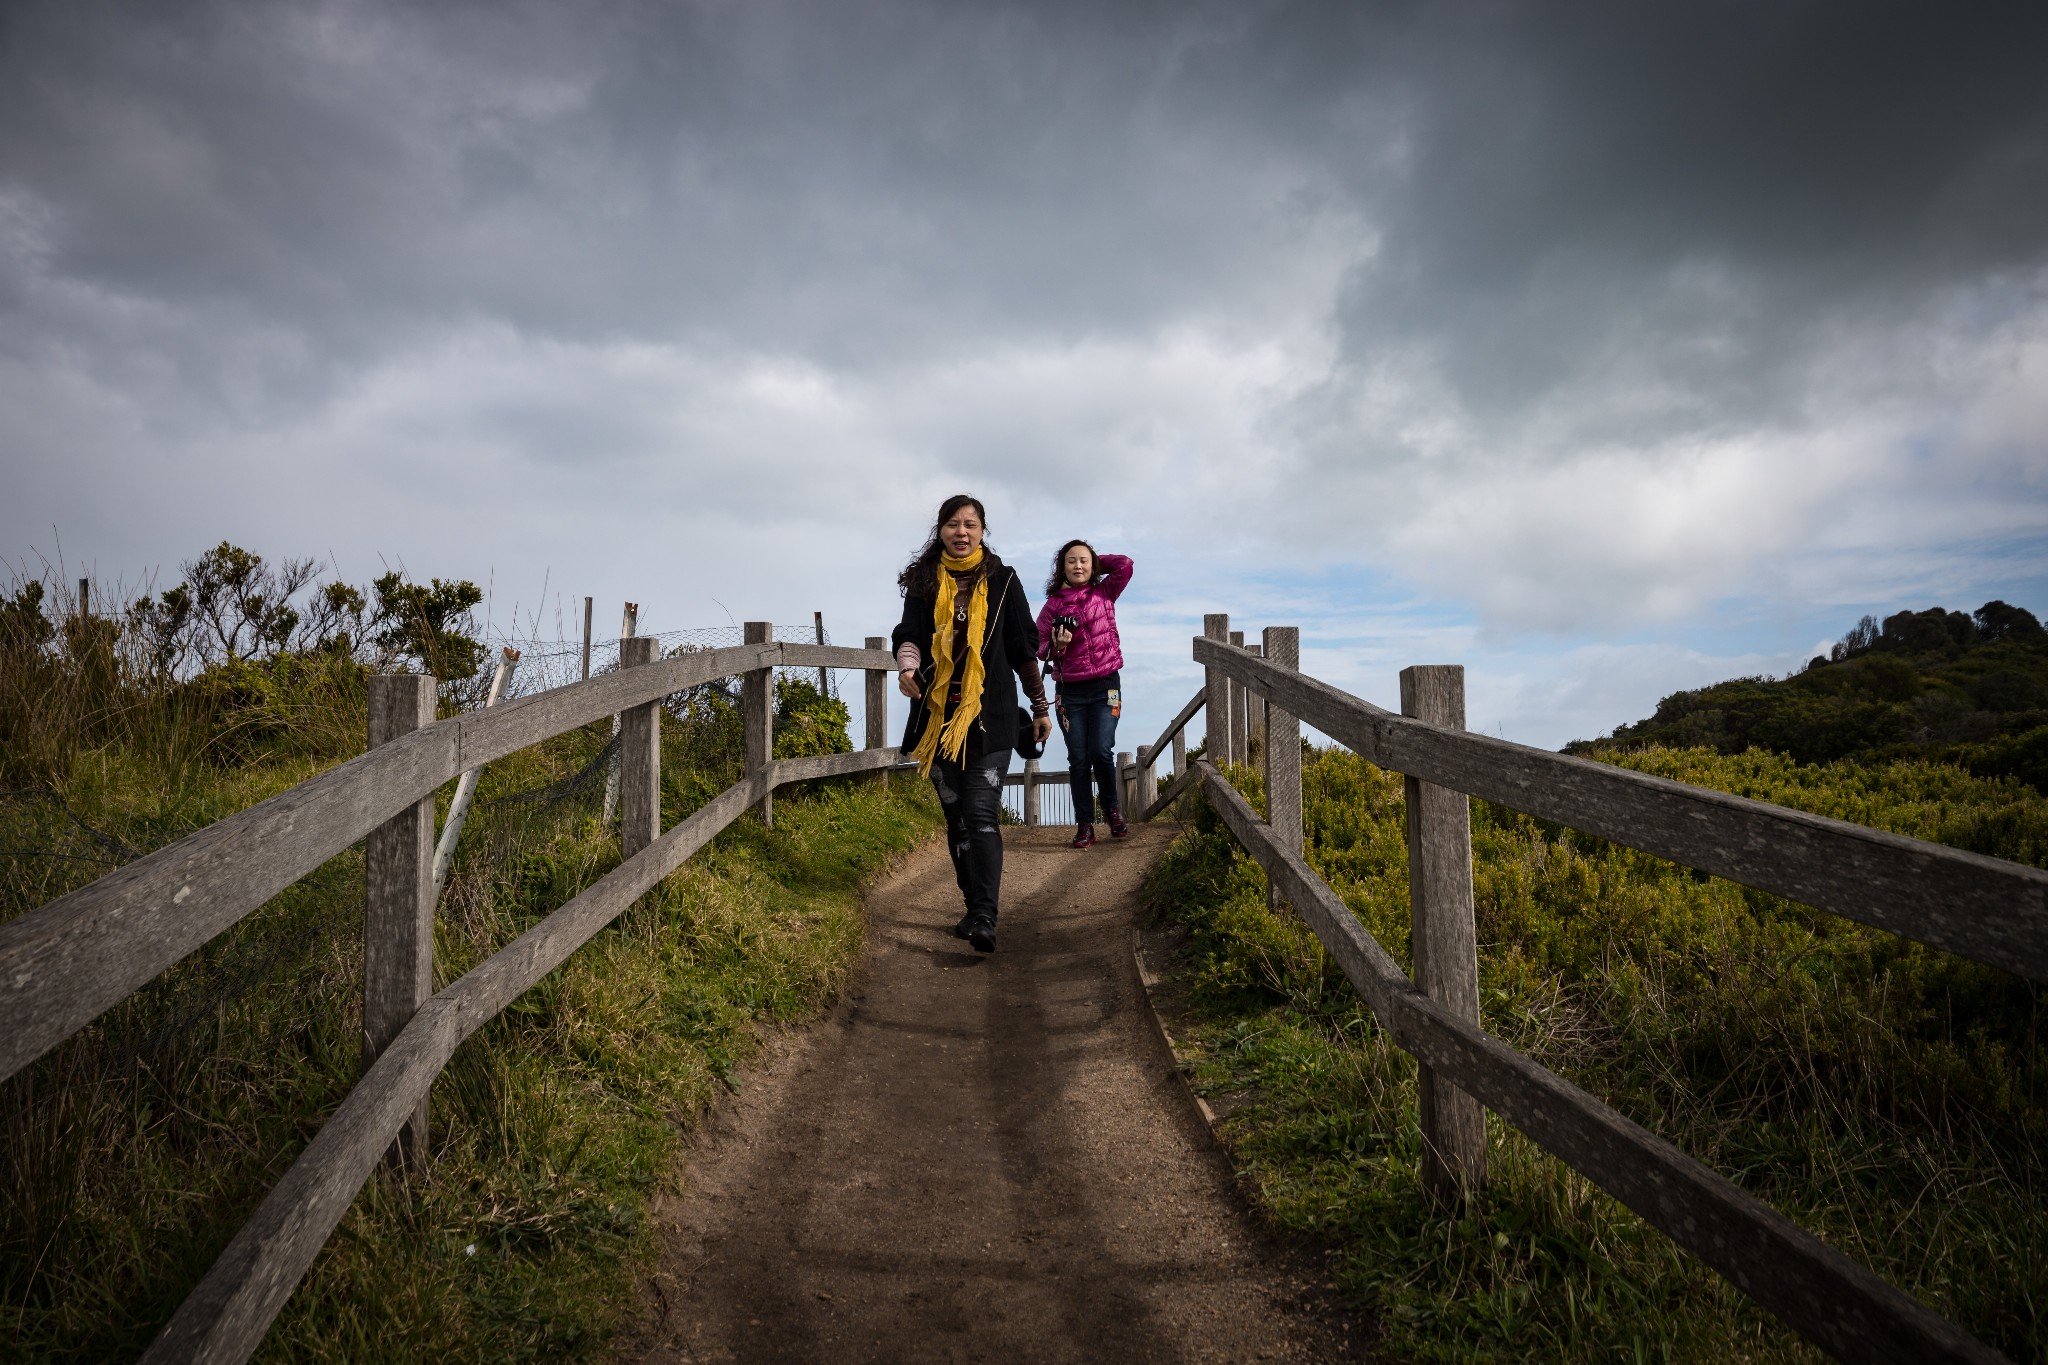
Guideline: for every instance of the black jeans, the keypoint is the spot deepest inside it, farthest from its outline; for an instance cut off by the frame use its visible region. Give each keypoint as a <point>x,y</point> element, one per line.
<point>1090,732</point>
<point>971,792</point>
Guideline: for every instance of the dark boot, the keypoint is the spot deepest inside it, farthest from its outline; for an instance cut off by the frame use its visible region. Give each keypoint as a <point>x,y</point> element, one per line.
<point>1117,828</point>
<point>982,934</point>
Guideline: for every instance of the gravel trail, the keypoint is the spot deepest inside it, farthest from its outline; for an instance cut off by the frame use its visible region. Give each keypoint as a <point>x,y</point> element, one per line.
<point>979,1158</point>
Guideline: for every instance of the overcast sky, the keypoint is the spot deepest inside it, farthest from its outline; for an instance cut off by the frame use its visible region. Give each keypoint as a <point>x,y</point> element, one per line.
<point>1606,349</point>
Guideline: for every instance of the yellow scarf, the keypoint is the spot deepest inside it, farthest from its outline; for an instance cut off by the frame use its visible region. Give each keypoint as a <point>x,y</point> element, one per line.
<point>954,739</point>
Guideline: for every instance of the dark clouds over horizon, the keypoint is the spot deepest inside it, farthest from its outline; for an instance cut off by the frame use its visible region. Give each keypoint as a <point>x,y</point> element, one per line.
<point>1557,323</point>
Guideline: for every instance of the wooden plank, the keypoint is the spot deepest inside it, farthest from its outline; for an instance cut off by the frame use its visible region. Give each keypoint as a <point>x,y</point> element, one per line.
<point>1174,727</point>
<point>1181,783</point>
<point>65,963</point>
<point>1126,781</point>
<point>226,1316</point>
<point>836,656</point>
<point>1239,711</point>
<point>757,713</point>
<point>1835,1303</point>
<point>1144,783</point>
<point>1983,908</point>
<point>1444,940</point>
<point>398,900</point>
<point>1030,779</point>
<point>1254,725</point>
<point>1216,630</point>
<point>787,770</point>
<point>639,757</point>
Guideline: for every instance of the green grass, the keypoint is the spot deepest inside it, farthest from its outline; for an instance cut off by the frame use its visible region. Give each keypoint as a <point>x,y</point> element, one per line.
<point>131,1154</point>
<point>1885,1095</point>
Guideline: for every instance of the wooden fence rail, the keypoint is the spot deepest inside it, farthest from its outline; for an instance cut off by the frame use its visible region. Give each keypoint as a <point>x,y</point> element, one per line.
<point>1984,908</point>
<point>1829,1299</point>
<point>64,964</point>
<point>226,1315</point>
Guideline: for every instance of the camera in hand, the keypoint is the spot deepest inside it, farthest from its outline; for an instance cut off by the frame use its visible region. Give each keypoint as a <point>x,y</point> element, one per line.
<point>1068,622</point>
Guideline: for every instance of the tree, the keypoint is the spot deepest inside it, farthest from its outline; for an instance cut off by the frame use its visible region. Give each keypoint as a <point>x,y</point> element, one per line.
<point>430,623</point>
<point>241,604</point>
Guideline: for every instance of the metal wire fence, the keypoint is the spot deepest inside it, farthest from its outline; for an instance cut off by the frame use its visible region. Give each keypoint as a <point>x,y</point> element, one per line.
<point>546,664</point>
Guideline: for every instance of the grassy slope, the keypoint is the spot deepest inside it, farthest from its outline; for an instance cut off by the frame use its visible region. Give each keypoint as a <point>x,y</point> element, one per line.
<point>1888,1096</point>
<point>1982,704</point>
<point>130,1155</point>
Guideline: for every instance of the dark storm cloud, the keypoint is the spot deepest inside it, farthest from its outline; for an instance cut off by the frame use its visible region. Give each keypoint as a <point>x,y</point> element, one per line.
<point>1616,309</point>
<point>1702,195</point>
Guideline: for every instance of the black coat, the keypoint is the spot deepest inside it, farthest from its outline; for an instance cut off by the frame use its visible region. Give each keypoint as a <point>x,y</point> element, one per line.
<point>1010,642</point>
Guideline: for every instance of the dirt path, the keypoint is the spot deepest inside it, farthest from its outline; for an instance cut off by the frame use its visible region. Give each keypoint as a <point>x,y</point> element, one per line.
<point>979,1158</point>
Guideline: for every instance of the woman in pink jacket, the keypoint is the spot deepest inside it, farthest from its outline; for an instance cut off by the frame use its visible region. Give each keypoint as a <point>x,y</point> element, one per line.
<point>1077,632</point>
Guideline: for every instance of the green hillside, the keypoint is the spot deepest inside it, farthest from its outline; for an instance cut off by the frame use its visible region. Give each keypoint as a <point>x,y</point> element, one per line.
<point>1891,1097</point>
<point>1943,686</point>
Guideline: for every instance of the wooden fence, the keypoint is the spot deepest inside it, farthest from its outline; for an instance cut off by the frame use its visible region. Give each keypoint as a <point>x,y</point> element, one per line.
<point>1986,909</point>
<point>65,963</point>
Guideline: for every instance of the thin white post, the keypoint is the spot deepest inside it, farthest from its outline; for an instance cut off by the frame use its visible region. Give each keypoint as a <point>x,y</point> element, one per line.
<point>465,788</point>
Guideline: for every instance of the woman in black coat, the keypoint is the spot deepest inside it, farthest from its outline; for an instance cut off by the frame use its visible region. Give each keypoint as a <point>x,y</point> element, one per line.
<point>965,642</point>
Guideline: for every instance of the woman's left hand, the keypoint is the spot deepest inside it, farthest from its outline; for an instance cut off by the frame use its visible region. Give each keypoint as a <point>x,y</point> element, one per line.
<point>1041,727</point>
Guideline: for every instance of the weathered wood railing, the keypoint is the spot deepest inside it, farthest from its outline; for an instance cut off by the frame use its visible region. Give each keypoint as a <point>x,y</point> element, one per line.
<point>1983,908</point>
<point>65,963</point>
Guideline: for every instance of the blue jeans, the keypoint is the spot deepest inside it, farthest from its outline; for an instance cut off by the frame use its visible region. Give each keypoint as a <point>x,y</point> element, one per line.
<point>1090,732</point>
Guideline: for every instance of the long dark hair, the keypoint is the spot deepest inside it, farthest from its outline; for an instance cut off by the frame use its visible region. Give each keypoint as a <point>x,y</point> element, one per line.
<point>1059,573</point>
<point>920,577</point>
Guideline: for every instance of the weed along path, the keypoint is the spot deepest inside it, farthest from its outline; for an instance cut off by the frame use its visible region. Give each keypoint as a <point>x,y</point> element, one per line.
<point>979,1158</point>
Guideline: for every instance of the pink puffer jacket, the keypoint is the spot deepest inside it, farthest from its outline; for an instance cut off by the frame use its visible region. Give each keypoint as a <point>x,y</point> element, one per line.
<point>1095,650</point>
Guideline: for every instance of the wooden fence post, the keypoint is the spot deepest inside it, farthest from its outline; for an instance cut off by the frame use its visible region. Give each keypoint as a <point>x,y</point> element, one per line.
<point>1031,808</point>
<point>398,910</point>
<point>1216,626</point>
<point>587,605</point>
<point>639,758</point>
<point>1126,781</point>
<point>1445,941</point>
<point>1147,784</point>
<point>757,703</point>
<point>1282,753</point>
<point>1254,715</point>
<point>824,674</point>
<point>629,626</point>
<point>1180,752</point>
<point>1239,711</point>
<point>878,704</point>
